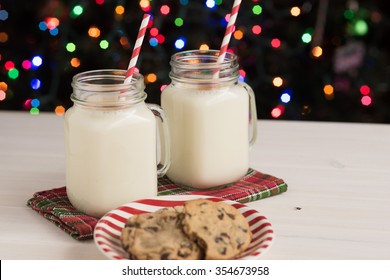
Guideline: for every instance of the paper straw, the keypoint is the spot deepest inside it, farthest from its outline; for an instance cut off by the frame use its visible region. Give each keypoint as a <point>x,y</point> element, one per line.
<point>137,47</point>
<point>229,31</point>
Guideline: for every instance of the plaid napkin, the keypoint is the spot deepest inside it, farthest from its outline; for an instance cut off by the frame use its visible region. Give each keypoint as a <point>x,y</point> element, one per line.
<point>55,206</point>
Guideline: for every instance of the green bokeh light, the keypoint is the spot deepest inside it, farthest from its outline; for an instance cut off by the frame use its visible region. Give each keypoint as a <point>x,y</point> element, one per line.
<point>13,73</point>
<point>306,38</point>
<point>257,9</point>
<point>360,27</point>
<point>179,22</point>
<point>70,47</point>
<point>104,44</point>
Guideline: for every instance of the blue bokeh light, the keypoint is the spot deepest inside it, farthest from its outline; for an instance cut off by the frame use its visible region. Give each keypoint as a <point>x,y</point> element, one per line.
<point>180,43</point>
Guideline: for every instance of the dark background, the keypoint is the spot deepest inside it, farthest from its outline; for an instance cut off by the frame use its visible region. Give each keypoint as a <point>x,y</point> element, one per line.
<point>353,36</point>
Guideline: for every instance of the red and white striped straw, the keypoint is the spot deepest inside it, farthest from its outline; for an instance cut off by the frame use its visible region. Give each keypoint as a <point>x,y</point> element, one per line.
<point>137,47</point>
<point>229,31</point>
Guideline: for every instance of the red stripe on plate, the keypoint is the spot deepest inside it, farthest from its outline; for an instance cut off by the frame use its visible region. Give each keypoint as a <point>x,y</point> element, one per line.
<point>260,227</point>
<point>256,219</point>
<point>117,217</point>
<point>265,233</point>
<point>111,225</point>
<point>106,231</point>
<point>109,239</point>
<point>249,212</point>
<point>161,203</point>
<point>131,210</point>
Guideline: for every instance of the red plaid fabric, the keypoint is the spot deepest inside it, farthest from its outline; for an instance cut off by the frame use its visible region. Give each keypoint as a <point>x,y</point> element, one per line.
<point>254,186</point>
<point>55,206</point>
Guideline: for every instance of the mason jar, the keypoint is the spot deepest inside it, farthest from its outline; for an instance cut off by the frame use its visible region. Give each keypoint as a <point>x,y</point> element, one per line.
<point>212,119</point>
<point>111,142</point>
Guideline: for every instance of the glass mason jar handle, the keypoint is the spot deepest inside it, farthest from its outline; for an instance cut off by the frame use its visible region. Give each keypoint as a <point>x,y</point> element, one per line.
<point>252,114</point>
<point>165,150</point>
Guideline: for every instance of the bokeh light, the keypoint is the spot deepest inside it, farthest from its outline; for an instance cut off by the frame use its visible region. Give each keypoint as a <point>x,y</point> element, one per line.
<point>256,29</point>
<point>365,89</point>
<point>165,10</point>
<point>366,100</point>
<point>180,43</point>
<point>59,110</point>
<point>277,81</point>
<point>295,11</point>
<point>275,43</point>
<point>316,51</point>
<point>94,32</point>
<point>257,9</point>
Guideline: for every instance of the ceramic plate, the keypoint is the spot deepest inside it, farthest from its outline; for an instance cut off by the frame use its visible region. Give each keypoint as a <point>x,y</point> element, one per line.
<point>108,229</point>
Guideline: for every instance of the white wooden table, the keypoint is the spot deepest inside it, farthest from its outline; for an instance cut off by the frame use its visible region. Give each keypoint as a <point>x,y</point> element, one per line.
<point>337,205</point>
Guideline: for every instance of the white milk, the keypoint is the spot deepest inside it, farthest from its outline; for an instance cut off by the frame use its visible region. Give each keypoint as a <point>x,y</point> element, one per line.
<point>209,134</point>
<point>110,157</point>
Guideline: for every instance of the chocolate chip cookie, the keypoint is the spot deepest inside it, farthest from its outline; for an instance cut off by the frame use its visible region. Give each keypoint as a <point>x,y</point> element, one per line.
<point>158,235</point>
<point>219,228</point>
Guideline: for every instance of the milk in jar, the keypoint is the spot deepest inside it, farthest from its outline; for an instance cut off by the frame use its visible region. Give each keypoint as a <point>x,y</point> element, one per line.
<point>212,120</point>
<point>110,139</point>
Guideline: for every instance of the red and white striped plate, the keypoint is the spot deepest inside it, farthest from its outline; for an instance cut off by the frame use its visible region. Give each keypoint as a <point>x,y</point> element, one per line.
<point>109,227</point>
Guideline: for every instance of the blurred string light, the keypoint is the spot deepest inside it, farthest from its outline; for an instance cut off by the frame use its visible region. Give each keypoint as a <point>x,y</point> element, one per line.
<point>360,27</point>
<point>35,84</point>
<point>94,31</point>
<point>70,47</point>
<point>104,44</point>
<point>365,90</point>
<point>316,51</point>
<point>180,43</point>
<point>75,62</point>
<point>76,11</point>
<point>210,4</point>
<point>204,47</point>
<point>306,37</point>
<point>277,111</point>
<point>165,10</point>
<point>242,75</point>
<point>329,92</point>
<point>59,110</point>
<point>366,99</point>
<point>257,10</point>
<point>145,5</point>
<point>275,43</point>
<point>295,11</point>
<point>3,37</point>
<point>26,64</point>
<point>256,29</point>
<point>238,34</point>
<point>277,81</point>
<point>179,22</point>
<point>119,10</point>
<point>3,89</point>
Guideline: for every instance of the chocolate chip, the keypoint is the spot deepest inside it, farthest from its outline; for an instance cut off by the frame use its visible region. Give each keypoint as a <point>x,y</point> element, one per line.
<point>165,256</point>
<point>186,245</point>
<point>231,216</point>
<point>218,239</point>
<point>243,229</point>
<point>222,251</point>
<point>183,254</point>
<point>151,228</point>
<point>239,243</point>
<point>220,216</point>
